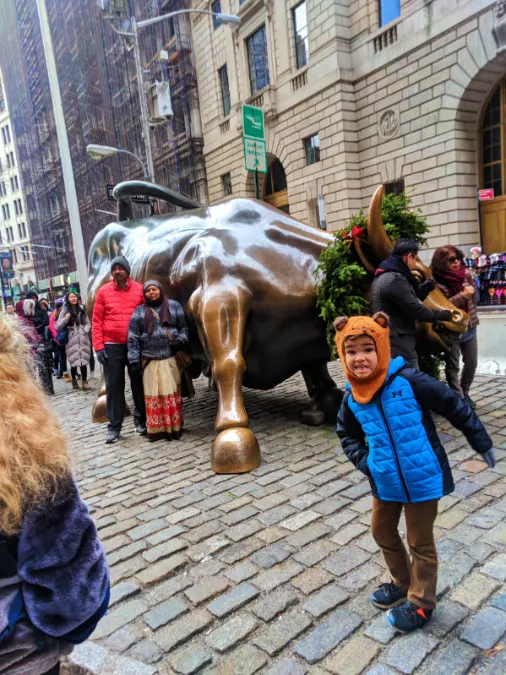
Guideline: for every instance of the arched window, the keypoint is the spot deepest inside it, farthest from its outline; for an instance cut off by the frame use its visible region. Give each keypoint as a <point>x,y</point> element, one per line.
<point>275,187</point>
<point>492,142</point>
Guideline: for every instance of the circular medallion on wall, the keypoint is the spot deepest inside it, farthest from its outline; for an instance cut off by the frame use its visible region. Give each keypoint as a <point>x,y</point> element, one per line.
<point>388,124</point>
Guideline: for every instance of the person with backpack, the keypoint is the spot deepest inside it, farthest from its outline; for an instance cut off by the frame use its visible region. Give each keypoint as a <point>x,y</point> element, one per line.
<point>54,579</point>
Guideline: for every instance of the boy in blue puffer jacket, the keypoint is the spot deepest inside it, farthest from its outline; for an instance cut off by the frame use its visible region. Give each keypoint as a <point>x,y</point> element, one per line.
<point>386,430</point>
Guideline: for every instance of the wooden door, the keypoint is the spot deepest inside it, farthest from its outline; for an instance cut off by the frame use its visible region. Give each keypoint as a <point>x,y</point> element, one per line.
<point>493,225</point>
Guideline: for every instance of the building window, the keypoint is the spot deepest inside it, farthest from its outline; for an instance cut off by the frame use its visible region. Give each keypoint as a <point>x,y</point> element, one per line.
<point>8,212</point>
<point>226,181</point>
<point>258,61</point>
<point>23,230</point>
<point>3,188</point>
<point>16,183</point>
<point>389,10</point>
<point>14,255</point>
<point>225,91</point>
<point>395,187</point>
<point>301,35</point>
<point>312,146</point>
<point>12,184</point>
<point>16,206</point>
<point>20,206</point>
<point>492,145</point>
<point>4,137</point>
<point>216,9</point>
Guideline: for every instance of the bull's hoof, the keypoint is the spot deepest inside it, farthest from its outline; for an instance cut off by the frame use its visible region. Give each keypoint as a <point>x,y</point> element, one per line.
<point>235,451</point>
<point>99,412</point>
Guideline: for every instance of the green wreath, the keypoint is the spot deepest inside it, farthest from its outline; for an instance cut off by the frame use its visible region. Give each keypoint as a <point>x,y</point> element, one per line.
<point>342,281</point>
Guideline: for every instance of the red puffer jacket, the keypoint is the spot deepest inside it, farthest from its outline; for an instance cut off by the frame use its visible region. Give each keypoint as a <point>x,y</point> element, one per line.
<point>112,312</point>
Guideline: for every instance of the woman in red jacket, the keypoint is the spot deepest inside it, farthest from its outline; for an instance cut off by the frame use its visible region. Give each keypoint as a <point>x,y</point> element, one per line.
<point>112,311</point>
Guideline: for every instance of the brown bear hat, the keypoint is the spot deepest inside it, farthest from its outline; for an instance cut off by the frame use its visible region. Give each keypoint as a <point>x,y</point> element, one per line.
<point>376,327</point>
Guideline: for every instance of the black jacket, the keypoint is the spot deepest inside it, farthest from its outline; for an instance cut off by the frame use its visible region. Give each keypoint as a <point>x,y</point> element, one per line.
<point>394,294</point>
<point>393,439</point>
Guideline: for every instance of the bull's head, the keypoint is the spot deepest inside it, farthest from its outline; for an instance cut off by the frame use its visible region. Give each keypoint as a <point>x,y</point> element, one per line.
<point>379,246</point>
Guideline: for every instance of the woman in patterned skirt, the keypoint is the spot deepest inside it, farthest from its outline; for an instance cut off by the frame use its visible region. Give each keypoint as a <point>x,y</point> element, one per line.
<point>156,332</point>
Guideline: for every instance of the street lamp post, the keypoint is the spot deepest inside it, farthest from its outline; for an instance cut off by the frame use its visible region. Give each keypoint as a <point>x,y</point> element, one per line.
<point>99,152</point>
<point>230,19</point>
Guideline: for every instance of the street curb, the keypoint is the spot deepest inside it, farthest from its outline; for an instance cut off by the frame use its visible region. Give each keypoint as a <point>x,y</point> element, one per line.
<point>93,659</point>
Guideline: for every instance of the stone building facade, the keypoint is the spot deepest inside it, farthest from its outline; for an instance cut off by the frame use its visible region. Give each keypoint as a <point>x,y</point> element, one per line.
<point>401,103</point>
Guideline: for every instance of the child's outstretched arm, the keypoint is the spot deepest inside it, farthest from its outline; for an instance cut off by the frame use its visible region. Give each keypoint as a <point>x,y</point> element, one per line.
<point>352,437</point>
<point>434,395</point>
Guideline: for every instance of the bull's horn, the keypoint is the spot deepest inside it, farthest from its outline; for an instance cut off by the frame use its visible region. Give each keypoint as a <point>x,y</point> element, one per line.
<point>376,234</point>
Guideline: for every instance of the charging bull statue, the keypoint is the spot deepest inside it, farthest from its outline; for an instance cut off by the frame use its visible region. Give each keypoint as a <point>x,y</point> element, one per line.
<point>244,273</point>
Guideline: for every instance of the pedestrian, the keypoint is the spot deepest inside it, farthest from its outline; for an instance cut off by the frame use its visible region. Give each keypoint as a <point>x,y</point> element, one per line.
<point>458,285</point>
<point>114,305</point>
<point>74,320</point>
<point>399,294</point>
<point>45,306</point>
<point>157,331</point>
<point>387,432</point>
<point>41,341</point>
<point>10,310</point>
<point>53,572</point>
<point>60,341</point>
<point>40,317</point>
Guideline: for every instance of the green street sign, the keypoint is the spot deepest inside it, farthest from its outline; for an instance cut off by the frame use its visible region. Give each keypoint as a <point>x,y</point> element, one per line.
<point>253,122</point>
<point>255,155</point>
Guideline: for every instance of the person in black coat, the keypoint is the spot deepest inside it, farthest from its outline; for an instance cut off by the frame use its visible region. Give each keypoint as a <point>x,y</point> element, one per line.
<point>399,294</point>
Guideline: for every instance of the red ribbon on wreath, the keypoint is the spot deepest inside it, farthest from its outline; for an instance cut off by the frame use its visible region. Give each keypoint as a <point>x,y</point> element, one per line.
<point>356,232</point>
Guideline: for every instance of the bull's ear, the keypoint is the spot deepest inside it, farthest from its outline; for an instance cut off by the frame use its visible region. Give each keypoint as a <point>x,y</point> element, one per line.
<point>366,254</point>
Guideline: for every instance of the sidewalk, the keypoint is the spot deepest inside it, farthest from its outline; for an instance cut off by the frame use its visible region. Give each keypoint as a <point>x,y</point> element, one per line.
<point>270,572</point>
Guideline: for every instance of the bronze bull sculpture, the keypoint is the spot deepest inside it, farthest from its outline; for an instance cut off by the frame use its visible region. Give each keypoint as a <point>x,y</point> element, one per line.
<point>244,273</point>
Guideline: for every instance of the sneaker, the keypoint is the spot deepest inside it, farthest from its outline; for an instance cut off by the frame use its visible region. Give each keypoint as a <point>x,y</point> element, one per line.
<point>387,596</point>
<point>141,429</point>
<point>470,402</point>
<point>112,436</point>
<point>408,617</point>
<point>55,372</point>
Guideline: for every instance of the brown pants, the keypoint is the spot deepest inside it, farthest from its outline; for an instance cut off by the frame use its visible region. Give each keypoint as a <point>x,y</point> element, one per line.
<point>419,576</point>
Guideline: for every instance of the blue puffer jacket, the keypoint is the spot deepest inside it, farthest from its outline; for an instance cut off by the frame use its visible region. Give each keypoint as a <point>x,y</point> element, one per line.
<point>394,442</point>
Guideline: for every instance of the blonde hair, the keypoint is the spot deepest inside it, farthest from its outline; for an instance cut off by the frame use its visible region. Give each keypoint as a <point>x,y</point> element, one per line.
<point>29,307</point>
<point>33,454</point>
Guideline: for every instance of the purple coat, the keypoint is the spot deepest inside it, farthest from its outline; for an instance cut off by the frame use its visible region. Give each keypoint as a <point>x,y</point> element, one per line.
<point>63,576</point>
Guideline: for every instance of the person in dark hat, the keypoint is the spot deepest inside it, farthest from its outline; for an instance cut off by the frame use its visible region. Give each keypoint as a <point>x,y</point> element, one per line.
<point>156,333</point>
<point>113,309</point>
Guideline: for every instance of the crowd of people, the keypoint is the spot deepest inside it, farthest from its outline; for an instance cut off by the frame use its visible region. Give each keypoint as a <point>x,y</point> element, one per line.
<point>133,327</point>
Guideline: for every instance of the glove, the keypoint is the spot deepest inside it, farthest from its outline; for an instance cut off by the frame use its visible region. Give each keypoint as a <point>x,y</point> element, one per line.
<point>428,285</point>
<point>101,356</point>
<point>489,458</point>
<point>444,315</point>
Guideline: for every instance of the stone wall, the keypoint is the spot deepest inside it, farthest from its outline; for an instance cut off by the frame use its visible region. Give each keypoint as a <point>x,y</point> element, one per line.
<point>387,104</point>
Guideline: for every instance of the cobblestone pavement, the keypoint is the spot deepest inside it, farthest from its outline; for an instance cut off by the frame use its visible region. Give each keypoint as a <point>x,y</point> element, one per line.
<point>271,571</point>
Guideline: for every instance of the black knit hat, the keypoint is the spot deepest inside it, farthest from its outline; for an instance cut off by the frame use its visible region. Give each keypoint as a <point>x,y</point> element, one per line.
<point>122,262</point>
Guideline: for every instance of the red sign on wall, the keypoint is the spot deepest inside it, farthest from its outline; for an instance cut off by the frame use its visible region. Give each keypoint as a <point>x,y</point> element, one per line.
<point>486,195</point>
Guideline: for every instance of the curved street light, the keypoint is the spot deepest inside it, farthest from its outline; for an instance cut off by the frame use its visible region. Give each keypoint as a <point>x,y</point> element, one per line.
<point>99,152</point>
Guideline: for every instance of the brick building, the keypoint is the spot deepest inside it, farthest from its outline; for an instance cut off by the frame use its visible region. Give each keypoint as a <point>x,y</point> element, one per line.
<point>358,93</point>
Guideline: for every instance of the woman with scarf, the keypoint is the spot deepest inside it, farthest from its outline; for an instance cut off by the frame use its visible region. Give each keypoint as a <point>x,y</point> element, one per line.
<point>156,332</point>
<point>74,319</point>
<point>457,284</point>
